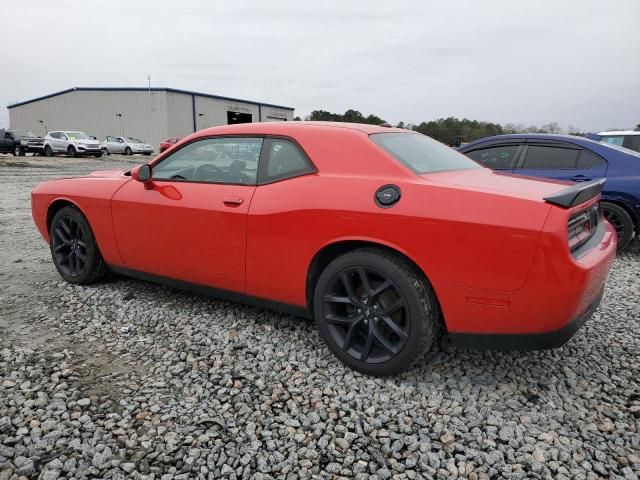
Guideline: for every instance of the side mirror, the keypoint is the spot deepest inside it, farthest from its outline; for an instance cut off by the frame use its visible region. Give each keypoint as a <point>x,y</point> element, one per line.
<point>142,173</point>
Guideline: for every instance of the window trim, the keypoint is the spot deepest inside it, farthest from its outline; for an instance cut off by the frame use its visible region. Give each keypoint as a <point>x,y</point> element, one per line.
<point>265,158</point>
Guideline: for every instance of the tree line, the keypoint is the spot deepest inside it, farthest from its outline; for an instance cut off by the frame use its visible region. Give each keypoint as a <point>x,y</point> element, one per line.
<point>451,130</point>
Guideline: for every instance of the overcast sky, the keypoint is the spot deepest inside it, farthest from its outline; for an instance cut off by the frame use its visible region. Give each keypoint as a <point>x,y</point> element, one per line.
<point>574,62</point>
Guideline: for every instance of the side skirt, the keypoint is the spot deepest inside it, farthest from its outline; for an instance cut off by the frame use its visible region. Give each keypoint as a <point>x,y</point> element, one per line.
<point>219,293</point>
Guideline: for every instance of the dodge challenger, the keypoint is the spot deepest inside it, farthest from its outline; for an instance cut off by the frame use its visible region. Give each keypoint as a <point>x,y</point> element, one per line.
<point>385,237</point>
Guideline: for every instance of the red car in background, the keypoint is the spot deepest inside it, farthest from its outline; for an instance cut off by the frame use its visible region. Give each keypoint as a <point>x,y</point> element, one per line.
<point>385,237</point>
<point>165,144</point>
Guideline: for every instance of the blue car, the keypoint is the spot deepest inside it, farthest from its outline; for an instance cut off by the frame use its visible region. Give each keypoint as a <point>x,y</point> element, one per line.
<point>575,159</point>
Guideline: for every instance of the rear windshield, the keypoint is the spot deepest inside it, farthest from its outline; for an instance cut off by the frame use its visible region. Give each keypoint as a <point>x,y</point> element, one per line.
<point>422,154</point>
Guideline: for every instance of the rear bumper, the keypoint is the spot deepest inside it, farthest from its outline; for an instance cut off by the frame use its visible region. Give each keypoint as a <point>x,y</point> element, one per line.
<point>559,295</point>
<point>531,341</point>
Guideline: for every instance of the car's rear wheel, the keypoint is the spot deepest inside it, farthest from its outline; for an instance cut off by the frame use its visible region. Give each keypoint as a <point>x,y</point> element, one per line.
<point>621,221</point>
<point>376,313</point>
<point>47,151</point>
<point>74,249</point>
<point>71,151</point>
<point>19,151</point>
<point>127,151</point>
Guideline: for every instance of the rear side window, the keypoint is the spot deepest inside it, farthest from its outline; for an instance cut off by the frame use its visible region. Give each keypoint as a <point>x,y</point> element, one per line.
<point>285,160</point>
<point>589,160</point>
<point>422,154</point>
<point>500,157</point>
<point>550,158</point>
<point>613,139</point>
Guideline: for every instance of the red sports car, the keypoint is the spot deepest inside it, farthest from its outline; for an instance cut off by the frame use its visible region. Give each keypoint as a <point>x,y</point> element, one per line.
<point>385,237</point>
<point>165,144</point>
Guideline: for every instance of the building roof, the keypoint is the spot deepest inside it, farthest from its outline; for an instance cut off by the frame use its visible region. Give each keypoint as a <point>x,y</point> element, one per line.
<point>620,132</point>
<point>143,89</point>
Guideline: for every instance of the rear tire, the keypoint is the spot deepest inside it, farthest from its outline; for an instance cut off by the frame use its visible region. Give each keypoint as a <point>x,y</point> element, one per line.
<point>71,151</point>
<point>371,328</point>
<point>621,221</point>
<point>74,249</point>
<point>47,151</point>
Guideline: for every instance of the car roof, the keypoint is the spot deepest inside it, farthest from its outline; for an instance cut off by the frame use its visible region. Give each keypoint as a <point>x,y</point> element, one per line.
<point>292,127</point>
<point>532,136</point>
<point>620,132</point>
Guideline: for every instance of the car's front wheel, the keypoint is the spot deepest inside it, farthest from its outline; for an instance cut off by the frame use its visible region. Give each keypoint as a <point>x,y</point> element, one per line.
<point>74,249</point>
<point>375,311</point>
<point>621,221</point>
<point>127,151</point>
<point>71,151</point>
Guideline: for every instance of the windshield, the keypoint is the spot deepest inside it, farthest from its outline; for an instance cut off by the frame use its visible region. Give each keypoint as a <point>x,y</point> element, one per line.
<point>22,134</point>
<point>78,135</point>
<point>422,154</point>
<point>133,140</point>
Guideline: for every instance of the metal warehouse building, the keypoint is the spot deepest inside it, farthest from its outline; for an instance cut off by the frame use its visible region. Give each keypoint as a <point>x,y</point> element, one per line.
<point>150,114</point>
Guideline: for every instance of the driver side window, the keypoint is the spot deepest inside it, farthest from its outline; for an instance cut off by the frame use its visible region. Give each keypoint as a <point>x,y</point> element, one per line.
<point>214,160</point>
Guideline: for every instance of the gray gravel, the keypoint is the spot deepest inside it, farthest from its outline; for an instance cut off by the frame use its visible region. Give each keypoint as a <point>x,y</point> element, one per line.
<point>129,379</point>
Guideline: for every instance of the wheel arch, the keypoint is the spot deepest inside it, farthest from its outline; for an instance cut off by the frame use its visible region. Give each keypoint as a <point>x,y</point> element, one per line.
<point>57,205</point>
<point>620,203</point>
<point>334,249</point>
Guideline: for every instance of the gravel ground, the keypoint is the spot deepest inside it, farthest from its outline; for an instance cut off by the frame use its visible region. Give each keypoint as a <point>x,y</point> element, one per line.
<point>131,380</point>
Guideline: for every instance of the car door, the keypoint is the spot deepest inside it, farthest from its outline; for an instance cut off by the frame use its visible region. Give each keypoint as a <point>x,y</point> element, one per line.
<point>120,145</point>
<point>499,156</point>
<point>61,142</point>
<point>190,222</point>
<point>561,161</point>
<point>6,143</point>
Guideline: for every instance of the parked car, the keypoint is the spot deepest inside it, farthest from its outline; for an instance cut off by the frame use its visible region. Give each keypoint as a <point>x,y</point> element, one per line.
<point>574,159</point>
<point>623,138</point>
<point>20,142</point>
<point>167,143</point>
<point>384,236</point>
<point>125,145</point>
<point>72,143</point>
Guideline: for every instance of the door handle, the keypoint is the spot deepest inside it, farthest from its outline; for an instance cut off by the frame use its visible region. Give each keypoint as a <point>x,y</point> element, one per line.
<point>580,178</point>
<point>233,200</point>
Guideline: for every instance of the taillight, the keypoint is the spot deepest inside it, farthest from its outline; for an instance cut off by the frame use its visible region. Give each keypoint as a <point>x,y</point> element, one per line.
<point>582,226</point>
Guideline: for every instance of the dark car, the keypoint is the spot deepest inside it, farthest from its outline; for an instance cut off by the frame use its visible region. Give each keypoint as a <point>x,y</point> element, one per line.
<point>20,142</point>
<point>575,159</point>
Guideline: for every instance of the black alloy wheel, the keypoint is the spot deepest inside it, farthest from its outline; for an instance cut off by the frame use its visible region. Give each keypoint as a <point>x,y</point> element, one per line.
<point>621,221</point>
<point>47,151</point>
<point>71,151</point>
<point>367,314</point>
<point>69,246</point>
<point>375,311</point>
<point>74,249</point>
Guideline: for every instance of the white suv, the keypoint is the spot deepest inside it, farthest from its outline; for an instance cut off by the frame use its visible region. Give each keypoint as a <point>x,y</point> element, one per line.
<point>72,143</point>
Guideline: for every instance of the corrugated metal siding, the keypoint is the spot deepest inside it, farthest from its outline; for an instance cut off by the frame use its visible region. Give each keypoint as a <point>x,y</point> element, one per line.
<point>179,115</point>
<point>94,113</point>
<point>150,116</point>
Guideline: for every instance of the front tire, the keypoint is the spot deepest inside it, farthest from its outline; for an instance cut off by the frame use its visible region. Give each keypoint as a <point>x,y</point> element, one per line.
<point>71,151</point>
<point>74,249</point>
<point>127,151</point>
<point>375,311</point>
<point>621,221</point>
<point>18,151</point>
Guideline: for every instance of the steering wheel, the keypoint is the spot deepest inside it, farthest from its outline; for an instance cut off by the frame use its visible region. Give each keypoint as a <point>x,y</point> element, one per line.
<point>204,172</point>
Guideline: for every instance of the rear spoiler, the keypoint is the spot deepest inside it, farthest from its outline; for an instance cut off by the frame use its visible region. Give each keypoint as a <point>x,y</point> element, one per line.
<point>576,194</point>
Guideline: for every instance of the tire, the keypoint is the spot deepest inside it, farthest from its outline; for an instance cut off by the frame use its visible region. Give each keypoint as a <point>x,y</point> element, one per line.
<point>71,151</point>
<point>70,239</point>
<point>18,151</point>
<point>97,155</point>
<point>127,151</point>
<point>351,319</point>
<point>621,221</point>
<point>105,152</point>
<point>47,151</point>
